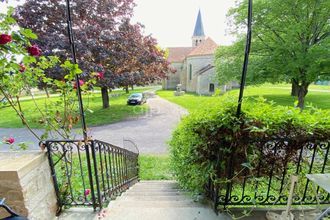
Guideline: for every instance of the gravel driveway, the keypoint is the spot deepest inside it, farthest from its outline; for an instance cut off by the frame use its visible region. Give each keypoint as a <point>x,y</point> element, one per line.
<point>149,132</point>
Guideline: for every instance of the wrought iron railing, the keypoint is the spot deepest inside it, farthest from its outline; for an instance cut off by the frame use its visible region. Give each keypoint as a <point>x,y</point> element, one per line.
<point>90,174</point>
<point>267,183</point>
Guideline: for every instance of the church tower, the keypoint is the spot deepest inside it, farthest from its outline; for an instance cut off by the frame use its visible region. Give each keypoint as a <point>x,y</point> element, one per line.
<point>198,36</point>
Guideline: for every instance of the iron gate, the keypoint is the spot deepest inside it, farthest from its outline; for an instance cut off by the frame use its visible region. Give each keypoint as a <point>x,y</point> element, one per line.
<point>90,173</point>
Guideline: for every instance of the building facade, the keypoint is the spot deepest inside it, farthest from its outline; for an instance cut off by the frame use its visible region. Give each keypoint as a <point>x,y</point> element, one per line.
<point>194,65</point>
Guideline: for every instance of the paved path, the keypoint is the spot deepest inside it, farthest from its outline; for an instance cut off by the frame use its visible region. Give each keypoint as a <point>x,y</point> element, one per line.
<point>150,131</point>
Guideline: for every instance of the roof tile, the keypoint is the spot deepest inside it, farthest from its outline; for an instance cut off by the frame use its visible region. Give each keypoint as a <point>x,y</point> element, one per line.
<point>178,54</point>
<point>207,47</point>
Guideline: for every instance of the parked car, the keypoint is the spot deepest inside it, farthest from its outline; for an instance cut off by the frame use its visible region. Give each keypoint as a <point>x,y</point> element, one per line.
<point>3,101</point>
<point>136,99</point>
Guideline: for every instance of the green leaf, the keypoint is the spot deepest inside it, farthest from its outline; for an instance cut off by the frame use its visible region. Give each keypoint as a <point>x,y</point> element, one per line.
<point>28,33</point>
<point>29,59</point>
<point>247,165</point>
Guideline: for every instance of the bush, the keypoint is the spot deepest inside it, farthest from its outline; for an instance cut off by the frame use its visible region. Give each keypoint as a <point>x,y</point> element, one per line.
<point>207,139</point>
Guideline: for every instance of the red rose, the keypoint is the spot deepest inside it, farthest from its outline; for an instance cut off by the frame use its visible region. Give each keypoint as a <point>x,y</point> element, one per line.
<point>100,75</point>
<point>10,140</point>
<point>4,38</point>
<point>81,82</point>
<point>22,69</point>
<point>34,50</point>
<point>87,192</point>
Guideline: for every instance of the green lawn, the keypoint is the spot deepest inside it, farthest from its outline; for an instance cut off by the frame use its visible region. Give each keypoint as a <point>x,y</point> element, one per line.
<point>189,101</point>
<point>280,94</point>
<point>154,167</point>
<point>95,114</point>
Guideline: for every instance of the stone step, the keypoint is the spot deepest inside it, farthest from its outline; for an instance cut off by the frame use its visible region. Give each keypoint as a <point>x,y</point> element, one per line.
<point>152,204</point>
<point>77,213</point>
<point>155,198</point>
<point>154,193</point>
<point>138,190</point>
<point>156,186</point>
<point>157,182</point>
<point>158,200</point>
<point>164,213</point>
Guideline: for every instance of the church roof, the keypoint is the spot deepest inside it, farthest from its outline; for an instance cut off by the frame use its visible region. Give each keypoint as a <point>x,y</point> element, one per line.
<point>178,54</point>
<point>207,47</point>
<point>199,29</point>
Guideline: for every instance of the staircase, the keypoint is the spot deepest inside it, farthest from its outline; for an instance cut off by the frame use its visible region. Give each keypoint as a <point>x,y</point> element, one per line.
<point>158,200</point>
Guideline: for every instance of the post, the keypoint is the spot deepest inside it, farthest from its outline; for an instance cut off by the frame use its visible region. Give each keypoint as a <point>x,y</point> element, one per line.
<point>74,60</point>
<point>246,58</point>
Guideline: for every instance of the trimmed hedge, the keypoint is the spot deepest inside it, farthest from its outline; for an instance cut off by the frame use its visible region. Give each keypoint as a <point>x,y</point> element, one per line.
<point>204,135</point>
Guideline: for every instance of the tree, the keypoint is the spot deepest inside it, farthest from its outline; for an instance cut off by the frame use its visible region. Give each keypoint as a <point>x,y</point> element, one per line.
<point>107,43</point>
<point>22,67</point>
<point>290,43</point>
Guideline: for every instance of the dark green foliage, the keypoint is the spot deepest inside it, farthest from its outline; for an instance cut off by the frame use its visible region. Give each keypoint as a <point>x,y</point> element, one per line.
<point>206,139</point>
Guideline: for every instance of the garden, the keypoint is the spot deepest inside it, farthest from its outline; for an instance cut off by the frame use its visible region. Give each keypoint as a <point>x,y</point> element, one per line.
<point>242,158</point>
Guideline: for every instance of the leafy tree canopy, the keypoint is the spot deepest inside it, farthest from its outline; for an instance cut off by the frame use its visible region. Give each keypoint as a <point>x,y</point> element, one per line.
<point>106,40</point>
<point>290,43</point>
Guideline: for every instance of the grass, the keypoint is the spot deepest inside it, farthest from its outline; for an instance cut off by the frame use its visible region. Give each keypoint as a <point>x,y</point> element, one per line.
<point>151,167</point>
<point>280,94</point>
<point>95,114</point>
<point>154,167</point>
<point>288,86</point>
<point>188,101</point>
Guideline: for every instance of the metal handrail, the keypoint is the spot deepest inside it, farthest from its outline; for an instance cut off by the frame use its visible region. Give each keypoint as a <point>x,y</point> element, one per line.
<point>90,174</point>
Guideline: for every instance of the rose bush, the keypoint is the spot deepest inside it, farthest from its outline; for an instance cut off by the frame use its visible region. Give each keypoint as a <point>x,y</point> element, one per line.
<point>23,67</point>
<point>4,39</point>
<point>34,50</point>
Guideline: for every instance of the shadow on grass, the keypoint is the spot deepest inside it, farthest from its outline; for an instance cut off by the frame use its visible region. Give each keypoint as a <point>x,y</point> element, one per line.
<point>319,100</point>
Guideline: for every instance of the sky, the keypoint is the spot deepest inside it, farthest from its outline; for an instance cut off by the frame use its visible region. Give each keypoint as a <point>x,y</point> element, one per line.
<point>172,22</point>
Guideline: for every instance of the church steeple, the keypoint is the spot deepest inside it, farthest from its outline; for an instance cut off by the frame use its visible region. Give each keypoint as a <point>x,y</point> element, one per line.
<point>198,35</point>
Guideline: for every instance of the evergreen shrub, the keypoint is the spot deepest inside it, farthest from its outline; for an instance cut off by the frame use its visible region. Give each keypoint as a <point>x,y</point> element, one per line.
<point>207,139</point>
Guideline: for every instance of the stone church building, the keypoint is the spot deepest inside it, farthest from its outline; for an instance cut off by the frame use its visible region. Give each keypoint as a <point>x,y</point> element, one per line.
<point>194,65</point>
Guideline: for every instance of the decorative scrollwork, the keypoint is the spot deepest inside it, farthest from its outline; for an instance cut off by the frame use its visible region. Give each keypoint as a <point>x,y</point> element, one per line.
<point>102,167</point>
<point>324,145</point>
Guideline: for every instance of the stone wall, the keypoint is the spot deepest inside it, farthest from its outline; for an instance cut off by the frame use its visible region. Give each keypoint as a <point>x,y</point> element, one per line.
<point>197,62</point>
<point>204,81</point>
<point>26,183</point>
<point>173,79</point>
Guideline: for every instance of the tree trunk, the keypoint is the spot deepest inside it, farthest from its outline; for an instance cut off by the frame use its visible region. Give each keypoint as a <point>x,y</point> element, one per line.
<point>294,88</point>
<point>47,93</point>
<point>302,92</point>
<point>105,97</point>
<point>132,87</point>
<point>126,88</point>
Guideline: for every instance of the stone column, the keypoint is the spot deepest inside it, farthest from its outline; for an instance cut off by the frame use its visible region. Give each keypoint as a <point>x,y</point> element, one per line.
<point>26,183</point>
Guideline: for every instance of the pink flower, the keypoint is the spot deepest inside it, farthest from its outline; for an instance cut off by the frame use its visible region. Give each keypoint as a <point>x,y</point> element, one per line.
<point>87,192</point>
<point>4,38</point>
<point>34,50</point>
<point>100,75</point>
<point>81,83</point>
<point>10,140</point>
